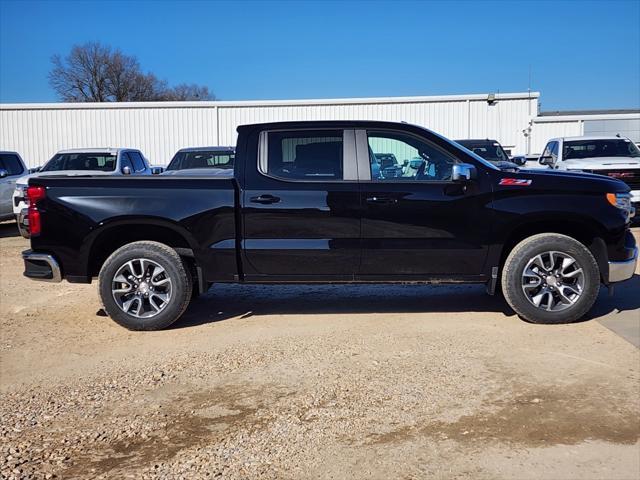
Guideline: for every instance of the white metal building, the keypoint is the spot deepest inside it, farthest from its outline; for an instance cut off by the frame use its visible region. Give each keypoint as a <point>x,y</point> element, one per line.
<point>159,129</point>
<point>37,131</point>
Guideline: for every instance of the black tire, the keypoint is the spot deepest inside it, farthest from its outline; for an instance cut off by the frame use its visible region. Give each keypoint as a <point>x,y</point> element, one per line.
<point>519,257</point>
<point>167,258</point>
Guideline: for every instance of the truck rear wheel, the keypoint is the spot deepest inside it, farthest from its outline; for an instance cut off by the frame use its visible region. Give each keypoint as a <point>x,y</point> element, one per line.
<point>550,278</point>
<point>145,286</point>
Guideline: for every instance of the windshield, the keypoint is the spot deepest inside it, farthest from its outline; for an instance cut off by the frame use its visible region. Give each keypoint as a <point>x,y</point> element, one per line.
<point>81,161</point>
<point>202,159</point>
<point>489,151</point>
<point>599,148</point>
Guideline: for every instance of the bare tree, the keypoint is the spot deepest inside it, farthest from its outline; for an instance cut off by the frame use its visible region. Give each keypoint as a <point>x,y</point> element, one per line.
<point>184,92</point>
<point>95,73</point>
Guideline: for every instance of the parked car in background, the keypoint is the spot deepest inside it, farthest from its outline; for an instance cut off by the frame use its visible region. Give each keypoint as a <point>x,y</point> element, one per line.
<point>303,207</point>
<point>490,150</point>
<point>211,161</point>
<point>83,162</point>
<point>11,168</point>
<point>389,165</point>
<point>613,156</point>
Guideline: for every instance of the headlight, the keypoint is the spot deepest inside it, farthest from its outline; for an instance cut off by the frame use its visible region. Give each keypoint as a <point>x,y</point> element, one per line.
<point>621,201</point>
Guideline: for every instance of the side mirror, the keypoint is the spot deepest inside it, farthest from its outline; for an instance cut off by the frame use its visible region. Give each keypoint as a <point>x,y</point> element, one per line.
<point>3,173</point>
<point>157,170</point>
<point>126,170</point>
<point>519,160</point>
<point>546,160</point>
<point>405,163</point>
<point>463,172</point>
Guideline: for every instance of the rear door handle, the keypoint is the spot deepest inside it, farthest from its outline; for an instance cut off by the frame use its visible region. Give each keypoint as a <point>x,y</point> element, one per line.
<point>382,200</point>
<point>265,199</point>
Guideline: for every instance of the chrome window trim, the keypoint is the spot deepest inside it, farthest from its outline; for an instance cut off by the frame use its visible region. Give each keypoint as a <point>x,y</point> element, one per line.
<point>263,155</point>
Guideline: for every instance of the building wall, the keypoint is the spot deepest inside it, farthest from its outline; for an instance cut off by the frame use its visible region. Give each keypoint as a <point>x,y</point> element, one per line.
<point>37,131</point>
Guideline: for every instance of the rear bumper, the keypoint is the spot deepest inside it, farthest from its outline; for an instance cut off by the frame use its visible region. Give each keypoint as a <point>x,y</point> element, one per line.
<point>41,266</point>
<point>23,223</point>
<point>619,271</point>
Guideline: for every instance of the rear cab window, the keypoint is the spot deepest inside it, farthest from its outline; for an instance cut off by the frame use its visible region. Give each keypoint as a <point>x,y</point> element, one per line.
<point>304,155</point>
<point>202,159</point>
<point>81,161</point>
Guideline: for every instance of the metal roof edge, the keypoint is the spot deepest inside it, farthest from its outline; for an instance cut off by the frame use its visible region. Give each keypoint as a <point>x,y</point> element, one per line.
<point>261,103</point>
<point>574,118</point>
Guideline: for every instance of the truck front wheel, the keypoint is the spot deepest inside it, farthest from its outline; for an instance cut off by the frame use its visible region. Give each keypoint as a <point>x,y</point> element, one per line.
<point>145,286</point>
<point>550,278</point>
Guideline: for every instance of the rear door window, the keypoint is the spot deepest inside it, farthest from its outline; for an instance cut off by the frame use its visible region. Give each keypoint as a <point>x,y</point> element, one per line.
<point>11,163</point>
<point>305,155</point>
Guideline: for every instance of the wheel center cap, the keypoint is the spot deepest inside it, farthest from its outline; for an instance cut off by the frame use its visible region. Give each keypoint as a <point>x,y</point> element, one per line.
<point>143,287</point>
<point>551,280</point>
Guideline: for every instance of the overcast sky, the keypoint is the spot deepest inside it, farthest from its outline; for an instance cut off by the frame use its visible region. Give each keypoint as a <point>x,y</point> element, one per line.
<point>582,54</point>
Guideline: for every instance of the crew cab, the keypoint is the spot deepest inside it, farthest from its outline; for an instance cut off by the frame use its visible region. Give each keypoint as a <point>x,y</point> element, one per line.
<point>84,161</point>
<point>613,156</point>
<point>303,206</point>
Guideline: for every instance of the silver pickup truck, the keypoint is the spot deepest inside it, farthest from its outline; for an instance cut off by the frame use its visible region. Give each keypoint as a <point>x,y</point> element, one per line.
<point>614,156</point>
<point>11,168</point>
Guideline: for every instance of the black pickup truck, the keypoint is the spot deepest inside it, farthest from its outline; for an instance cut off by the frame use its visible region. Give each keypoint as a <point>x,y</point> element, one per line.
<point>304,207</point>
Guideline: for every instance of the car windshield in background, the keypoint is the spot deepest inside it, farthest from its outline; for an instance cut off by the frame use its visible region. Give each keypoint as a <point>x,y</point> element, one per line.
<point>202,159</point>
<point>81,161</point>
<point>489,151</point>
<point>599,148</point>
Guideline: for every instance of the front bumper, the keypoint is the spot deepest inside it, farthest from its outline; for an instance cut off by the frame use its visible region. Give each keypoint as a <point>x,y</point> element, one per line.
<point>41,266</point>
<point>620,271</point>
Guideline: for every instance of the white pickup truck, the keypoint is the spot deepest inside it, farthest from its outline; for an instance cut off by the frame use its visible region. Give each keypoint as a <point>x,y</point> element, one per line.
<point>613,156</point>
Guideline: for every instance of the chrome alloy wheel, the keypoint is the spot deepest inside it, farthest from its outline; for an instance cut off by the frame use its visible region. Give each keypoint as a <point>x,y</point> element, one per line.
<point>141,288</point>
<point>553,281</point>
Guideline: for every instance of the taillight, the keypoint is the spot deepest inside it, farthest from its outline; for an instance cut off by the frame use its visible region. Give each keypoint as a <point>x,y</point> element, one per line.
<point>34,195</point>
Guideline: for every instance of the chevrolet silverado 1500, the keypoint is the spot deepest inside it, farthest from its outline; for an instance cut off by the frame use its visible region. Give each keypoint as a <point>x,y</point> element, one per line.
<point>303,206</point>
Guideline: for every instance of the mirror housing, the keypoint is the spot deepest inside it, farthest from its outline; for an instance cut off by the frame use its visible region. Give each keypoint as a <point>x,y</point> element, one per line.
<point>463,172</point>
<point>157,170</point>
<point>126,170</point>
<point>546,160</point>
<point>3,173</point>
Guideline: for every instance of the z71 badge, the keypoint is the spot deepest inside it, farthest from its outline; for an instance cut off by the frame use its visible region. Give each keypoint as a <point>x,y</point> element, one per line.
<point>516,182</point>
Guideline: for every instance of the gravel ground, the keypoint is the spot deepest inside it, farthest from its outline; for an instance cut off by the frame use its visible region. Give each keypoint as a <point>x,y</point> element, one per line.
<point>322,382</point>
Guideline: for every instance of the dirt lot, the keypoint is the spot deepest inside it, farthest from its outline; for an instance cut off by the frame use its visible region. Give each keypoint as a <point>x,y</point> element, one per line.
<point>312,382</point>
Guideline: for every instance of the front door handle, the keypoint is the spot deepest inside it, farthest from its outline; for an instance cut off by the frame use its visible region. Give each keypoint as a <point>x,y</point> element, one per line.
<point>382,200</point>
<point>265,199</point>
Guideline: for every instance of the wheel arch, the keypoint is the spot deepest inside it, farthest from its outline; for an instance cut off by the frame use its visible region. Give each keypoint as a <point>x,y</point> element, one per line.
<point>109,237</point>
<point>586,232</point>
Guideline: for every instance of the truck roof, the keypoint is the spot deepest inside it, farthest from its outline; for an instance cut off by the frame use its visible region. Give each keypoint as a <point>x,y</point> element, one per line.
<point>110,150</point>
<point>207,149</point>
<point>590,137</point>
<point>327,124</point>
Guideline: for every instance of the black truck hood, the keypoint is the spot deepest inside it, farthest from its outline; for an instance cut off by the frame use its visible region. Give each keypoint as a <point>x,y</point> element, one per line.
<point>562,180</point>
